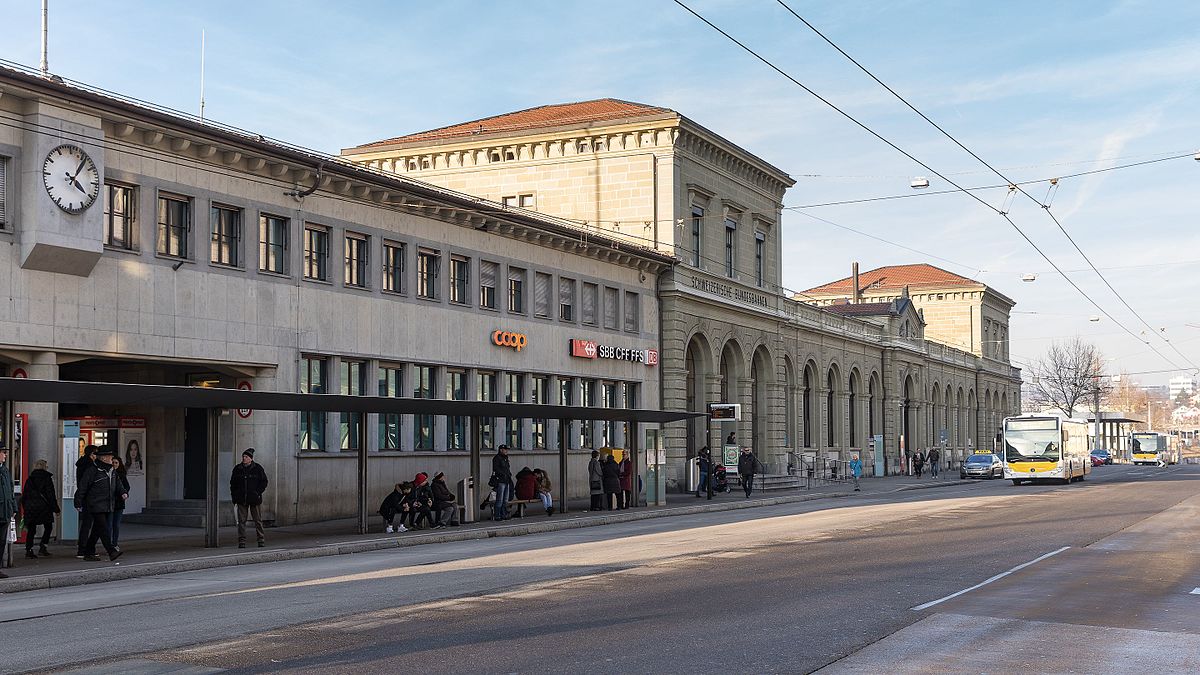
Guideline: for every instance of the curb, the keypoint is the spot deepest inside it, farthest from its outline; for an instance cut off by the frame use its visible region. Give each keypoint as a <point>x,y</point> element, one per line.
<point>100,575</point>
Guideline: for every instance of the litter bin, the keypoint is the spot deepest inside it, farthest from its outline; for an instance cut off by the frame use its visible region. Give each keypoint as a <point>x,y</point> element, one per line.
<point>466,499</point>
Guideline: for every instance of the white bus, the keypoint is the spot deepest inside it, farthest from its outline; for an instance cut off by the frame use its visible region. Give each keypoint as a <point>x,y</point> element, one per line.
<point>1045,448</point>
<point>1145,446</point>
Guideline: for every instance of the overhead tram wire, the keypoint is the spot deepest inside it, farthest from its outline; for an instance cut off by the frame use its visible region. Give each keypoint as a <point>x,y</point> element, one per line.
<point>948,135</point>
<point>973,268</point>
<point>927,167</point>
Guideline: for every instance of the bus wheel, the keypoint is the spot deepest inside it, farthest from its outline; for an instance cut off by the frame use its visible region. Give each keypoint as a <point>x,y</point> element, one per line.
<point>1016,481</point>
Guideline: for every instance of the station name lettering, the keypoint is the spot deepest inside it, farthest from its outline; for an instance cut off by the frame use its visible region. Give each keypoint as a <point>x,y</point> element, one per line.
<point>729,291</point>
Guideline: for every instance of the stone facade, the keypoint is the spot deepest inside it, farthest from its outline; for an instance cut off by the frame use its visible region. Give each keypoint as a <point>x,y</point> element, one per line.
<point>332,278</point>
<point>811,381</point>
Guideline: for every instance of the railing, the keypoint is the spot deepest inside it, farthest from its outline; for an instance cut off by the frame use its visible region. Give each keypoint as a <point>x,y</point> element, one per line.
<point>819,469</point>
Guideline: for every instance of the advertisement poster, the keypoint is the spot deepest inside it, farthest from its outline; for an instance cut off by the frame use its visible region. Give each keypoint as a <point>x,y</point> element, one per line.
<point>68,528</point>
<point>133,454</point>
<point>729,457</point>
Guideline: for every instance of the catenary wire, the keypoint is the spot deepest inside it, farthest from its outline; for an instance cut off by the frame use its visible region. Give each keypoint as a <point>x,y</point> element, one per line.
<point>991,168</point>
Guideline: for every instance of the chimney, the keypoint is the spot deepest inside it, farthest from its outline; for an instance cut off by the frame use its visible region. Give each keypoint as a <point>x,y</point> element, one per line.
<point>857,297</point>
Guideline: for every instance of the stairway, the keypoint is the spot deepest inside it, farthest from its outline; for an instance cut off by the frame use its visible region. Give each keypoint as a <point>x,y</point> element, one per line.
<point>769,482</point>
<point>180,513</point>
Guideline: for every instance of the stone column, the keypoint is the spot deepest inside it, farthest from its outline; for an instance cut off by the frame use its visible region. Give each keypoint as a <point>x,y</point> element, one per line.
<point>43,428</point>
<point>745,396</point>
<point>715,432</point>
<point>440,377</point>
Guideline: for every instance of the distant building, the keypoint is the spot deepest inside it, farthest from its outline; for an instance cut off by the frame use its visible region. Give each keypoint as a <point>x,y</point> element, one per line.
<point>1183,384</point>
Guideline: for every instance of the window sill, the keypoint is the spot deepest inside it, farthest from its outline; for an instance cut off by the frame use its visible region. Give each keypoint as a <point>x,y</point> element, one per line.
<point>460,304</point>
<point>226,266</point>
<point>353,287</point>
<point>428,299</point>
<point>489,309</point>
<point>323,282</point>
<point>115,249</point>
<point>272,273</point>
<point>397,294</point>
<point>172,258</point>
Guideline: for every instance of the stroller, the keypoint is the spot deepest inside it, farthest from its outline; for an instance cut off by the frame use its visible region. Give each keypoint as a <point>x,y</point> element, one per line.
<point>720,479</point>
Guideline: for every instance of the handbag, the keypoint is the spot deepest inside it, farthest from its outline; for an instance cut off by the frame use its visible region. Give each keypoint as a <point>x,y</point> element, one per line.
<point>12,530</point>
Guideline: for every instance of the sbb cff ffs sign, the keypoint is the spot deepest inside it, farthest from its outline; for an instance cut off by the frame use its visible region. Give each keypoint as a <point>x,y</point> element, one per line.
<point>590,349</point>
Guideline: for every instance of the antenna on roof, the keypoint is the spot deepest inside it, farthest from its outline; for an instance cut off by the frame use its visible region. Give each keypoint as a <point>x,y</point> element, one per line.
<point>201,73</point>
<point>45,38</point>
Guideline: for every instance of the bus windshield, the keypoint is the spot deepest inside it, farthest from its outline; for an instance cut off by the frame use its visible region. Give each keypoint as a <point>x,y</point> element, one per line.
<point>1145,444</point>
<point>1032,446</point>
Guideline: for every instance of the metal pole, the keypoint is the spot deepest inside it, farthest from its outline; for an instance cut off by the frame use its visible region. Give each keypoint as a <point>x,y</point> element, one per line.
<point>475,440</point>
<point>564,443</point>
<point>634,473</point>
<point>362,474</point>
<point>211,498</point>
<point>45,39</point>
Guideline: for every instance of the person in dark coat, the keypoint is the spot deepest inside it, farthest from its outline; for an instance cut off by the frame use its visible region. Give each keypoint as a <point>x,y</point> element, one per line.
<point>626,467</point>
<point>445,506</point>
<point>390,508</point>
<point>748,465</point>
<point>96,495</point>
<point>935,460</point>
<point>86,461</point>
<point>421,502</point>
<point>596,481</point>
<point>114,523</point>
<point>919,463</point>
<point>612,482</point>
<point>247,484</point>
<point>526,484</point>
<point>8,500</point>
<point>501,482</point>
<point>40,502</point>
<point>704,462</point>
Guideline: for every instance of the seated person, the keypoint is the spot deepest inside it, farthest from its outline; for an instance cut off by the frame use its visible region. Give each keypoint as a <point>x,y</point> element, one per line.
<point>526,484</point>
<point>543,490</point>
<point>445,510</point>
<point>390,508</point>
<point>422,502</point>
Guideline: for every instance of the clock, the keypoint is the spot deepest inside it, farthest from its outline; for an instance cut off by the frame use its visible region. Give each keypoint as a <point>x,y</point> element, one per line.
<point>71,178</point>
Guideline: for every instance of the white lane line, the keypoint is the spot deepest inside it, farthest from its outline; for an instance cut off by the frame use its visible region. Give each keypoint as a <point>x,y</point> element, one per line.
<point>990,580</point>
<point>1195,591</point>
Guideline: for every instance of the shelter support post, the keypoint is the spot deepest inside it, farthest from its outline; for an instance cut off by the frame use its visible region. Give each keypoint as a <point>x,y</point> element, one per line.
<point>635,480</point>
<point>211,497</point>
<point>362,475</point>
<point>476,437</point>
<point>564,437</point>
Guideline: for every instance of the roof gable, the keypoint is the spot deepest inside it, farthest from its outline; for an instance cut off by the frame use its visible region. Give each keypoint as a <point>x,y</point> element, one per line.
<point>895,277</point>
<point>555,115</point>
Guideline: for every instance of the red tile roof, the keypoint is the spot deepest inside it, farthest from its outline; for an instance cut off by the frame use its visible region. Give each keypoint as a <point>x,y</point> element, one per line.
<point>560,114</point>
<point>895,277</point>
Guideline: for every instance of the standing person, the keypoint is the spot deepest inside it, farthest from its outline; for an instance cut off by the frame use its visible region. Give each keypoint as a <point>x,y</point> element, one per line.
<point>748,465</point>
<point>86,461</point>
<point>445,508</point>
<point>596,481</point>
<point>626,468</point>
<point>501,482</point>
<point>390,507</point>
<point>731,439</point>
<point>8,501</point>
<point>114,523</point>
<point>855,470</point>
<point>544,491</point>
<point>935,457</point>
<point>246,486</point>
<point>40,502</point>
<point>919,463</point>
<point>704,461</point>
<point>96,496</point>
<point>612,483</point>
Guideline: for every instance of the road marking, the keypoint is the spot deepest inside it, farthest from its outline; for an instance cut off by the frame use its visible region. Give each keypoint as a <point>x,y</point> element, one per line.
<point>990,580</point>
<point>1195,591</point>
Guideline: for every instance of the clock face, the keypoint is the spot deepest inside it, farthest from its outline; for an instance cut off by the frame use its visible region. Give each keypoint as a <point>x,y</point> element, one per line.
<point>71,178</point>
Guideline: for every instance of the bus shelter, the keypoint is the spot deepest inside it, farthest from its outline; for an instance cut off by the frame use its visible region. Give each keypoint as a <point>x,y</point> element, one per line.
<point>217,401</point>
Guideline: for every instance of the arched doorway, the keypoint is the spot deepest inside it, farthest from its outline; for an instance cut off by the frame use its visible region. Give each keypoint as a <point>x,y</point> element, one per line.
<point>761,376</point>
<point>808,405</point>
<point>833,412</point>
<point>789,426</point>
<point>731,376</point>
<point>907,404</point>
<point>853,401</point>
<point>698,360</point>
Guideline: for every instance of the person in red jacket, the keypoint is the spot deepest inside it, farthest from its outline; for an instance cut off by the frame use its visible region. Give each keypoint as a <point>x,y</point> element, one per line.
<point>626,481</point>
<point>526,484</point>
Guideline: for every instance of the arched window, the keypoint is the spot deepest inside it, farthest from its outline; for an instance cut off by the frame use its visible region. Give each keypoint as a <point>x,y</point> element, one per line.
<point>831,410</point>
<point>852,402</point>
<point>807,406</point>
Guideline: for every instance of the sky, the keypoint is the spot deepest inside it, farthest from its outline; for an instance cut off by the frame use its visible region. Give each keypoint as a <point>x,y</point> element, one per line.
<point>1037,90</point>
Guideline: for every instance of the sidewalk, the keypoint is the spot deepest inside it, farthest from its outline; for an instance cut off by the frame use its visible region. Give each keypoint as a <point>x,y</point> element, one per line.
<point>152,550</point>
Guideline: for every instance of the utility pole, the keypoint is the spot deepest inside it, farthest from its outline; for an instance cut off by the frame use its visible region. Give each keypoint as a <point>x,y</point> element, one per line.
<point>1096,405</point>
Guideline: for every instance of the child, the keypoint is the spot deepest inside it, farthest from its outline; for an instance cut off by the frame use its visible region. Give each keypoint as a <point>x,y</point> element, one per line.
<point>390,507</point>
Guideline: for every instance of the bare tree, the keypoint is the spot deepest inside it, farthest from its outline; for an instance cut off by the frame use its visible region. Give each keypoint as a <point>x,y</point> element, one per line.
<point>1068,376</point>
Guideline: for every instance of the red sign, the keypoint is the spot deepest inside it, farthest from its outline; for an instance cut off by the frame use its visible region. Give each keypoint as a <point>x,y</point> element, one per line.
<point>652,357</point>
<point>591,349</point>
<point>244,412</point>
<point>584,349</point>
<point>20,373</point>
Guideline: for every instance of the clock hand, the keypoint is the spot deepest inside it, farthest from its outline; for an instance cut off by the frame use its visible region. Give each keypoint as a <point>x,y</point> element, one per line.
<point>77,185</point>
<point>79,168</point>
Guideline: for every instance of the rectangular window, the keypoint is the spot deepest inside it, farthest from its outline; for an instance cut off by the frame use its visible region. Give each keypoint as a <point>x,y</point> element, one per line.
<point>393,267</point>
<point>389,424</point>
<point>697,233</point>
<point>3,192</point>
<point>612,313</point>
<point>226,245</point>
<point>587,399</point>
<point>427,273</point>
<point>509,200</point>
<point>460,279</point>
<point>540,391</point>
<point>119,209</point>
<point>487,284</point>
<point>587,304</point>
<point>485,385</point>
<point>423,385</point>
<point>312,381</point>
<point>354,375</point>
<point>514,392</point>
<point>526,201</point>
<point>272,244</point>
<point>542,283</point>
<point>516,290</point>
<point>456,426</point>
<point>760,244</point>
<point>316,253</point>
<point>730,240</point>
<point>358,248</point>
<point>174,225</point>
<point>566,299</point>
<point>633,312</point>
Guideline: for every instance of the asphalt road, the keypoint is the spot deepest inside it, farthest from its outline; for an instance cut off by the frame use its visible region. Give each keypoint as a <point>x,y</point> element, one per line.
<point>793,588</point>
